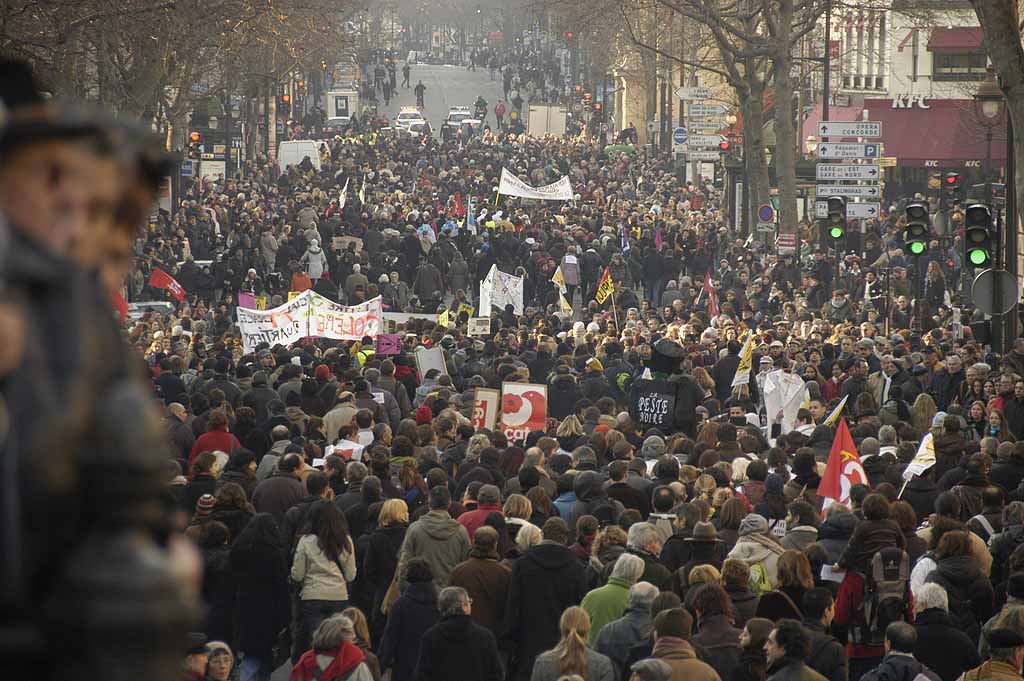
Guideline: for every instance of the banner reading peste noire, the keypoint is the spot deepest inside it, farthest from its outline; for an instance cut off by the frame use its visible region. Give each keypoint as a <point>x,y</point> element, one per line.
<point>511,185</point>
<point>309,314</point>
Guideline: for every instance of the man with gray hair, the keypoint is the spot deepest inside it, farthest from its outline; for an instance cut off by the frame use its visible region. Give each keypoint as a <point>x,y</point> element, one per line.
<point>644,542</point>
<point>334,654</point>
<point>633,628</point>
<point>456,647</point>
<point>941,646</point>
<point>608,602</point>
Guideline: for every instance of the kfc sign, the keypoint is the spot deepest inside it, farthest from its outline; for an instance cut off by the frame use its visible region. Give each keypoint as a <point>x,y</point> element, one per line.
<point>910,102</point>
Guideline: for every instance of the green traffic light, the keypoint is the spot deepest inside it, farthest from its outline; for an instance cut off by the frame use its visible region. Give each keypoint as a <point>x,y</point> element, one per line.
<point>916,248</point>
<point>836,232</point>
<point>978,257</point>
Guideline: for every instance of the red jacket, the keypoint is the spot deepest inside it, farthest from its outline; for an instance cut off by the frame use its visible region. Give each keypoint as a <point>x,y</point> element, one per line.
<point>848,600</point>
<point>346,658</point>
<point>212,441</point>
<point>474,520</point>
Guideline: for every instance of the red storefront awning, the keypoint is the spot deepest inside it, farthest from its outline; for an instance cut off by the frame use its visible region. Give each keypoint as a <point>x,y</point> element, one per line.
<point>960,39</point>
<point>935,133</point>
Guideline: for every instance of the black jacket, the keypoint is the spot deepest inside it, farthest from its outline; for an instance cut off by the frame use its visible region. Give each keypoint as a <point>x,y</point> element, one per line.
<point>899,667</point>
<point>943,647</point>
<point>457,648</point>
<point>827,656</point>
<point>545,581</point>
<point>412,615</point>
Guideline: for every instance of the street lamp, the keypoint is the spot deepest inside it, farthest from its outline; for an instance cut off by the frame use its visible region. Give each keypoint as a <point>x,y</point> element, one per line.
<point>988,108</point>
<point>811,144</point>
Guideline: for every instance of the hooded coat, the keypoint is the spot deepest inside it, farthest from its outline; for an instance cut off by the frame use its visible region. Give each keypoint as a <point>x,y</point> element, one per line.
<point>899,667</point>
<point>314,260</point>
<point>941,646</point>
<point>970,593</point>
<point>410,617</point>
<point>591,496</point>
<point>756,548</point>
<point>545,581</point>
<point>439,540</point>
<point>835,532</point>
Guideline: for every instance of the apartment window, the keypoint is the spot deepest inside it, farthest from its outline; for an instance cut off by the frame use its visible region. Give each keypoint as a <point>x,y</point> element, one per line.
<point>958,65</point>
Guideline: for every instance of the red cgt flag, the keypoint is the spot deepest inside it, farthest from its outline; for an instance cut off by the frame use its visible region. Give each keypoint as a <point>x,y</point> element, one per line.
<point>460,210</point>
<point>120,304</point>
<point>844,469</point>
<point>160,279</point>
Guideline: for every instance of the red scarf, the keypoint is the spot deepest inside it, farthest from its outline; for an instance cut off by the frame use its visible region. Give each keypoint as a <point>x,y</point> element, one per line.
<point>346,658</point>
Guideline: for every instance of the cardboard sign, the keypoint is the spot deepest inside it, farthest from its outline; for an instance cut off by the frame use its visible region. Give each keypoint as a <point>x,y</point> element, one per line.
<point>468,309</point>
<point>429,358</point>
<point>389,344</point>
<point>485,408</point>
<point>524,409</point>
<point>341,243</point>
<point>480,326</point>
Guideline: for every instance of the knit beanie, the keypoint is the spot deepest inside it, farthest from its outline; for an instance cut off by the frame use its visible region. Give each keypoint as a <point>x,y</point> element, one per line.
<point>753,524</point>
<point>205,505</point>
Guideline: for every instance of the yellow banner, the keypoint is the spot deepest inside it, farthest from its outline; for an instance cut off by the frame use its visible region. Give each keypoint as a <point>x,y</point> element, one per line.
<point>443,318</point>
<point>606,288</point>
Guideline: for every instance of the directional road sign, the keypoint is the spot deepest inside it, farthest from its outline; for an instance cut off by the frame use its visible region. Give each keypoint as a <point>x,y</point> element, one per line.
<point>853,210</point>
<point>870,191</point>
<point>847,150</point>
<point>705,140</point>
<point>187,168</point>
<point>702,110</point>
<point>679,135</point>
<point>835,171</point>
<point>700,124</point>
<point>692,93</point>
<point>850,129</point>
<point>703,155</point>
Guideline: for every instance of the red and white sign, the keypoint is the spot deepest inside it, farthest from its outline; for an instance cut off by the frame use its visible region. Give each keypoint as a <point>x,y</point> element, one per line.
<point>160,279</point>
<point>485,408</point>
<point>844,469</point>
<point>524,409</point>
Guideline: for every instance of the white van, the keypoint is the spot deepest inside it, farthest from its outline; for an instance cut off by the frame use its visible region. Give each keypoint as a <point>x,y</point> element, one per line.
<point>292,153</point>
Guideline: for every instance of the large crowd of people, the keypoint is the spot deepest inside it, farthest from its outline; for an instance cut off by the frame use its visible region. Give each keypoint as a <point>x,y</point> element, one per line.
<point>345,516</point>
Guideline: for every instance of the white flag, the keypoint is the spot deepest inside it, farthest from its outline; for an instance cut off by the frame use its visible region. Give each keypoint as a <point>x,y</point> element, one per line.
<point>742,376</point>
<point>344,196</point>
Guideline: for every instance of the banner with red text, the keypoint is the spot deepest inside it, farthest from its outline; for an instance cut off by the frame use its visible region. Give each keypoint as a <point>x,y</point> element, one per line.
<point>524,409</point>
<point>309,315</point>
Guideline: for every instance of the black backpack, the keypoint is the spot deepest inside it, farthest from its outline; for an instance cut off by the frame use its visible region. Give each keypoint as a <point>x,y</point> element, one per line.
<point>886,596</point>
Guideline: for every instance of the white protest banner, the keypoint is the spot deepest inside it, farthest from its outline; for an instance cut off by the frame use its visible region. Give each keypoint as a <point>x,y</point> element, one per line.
<point>282,325</point>
<point>338,322</point>
<point>512,185</point>
<point>309,314</point>
<point>783,396</point>
<point>499,289</point>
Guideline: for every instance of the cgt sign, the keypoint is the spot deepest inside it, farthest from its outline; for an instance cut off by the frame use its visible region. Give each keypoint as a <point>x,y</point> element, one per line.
<point>524,408</point>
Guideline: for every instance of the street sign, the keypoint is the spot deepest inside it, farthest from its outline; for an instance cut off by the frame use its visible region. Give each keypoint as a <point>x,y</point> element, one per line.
<point>705,140</point>
<point>887,161</point>
<point>982,291</point>
<point>679,135</point>
<point>692,93</point>
<point>187,168</point>
<point>766,212</point>
<point>847,150</point>
<point>786,243</point>
<point>855,211</point>
<point>701,124</point>
<point>766,226</point>
<point>703,155</point>
<point>870,191</point>
<point>832,171</point>
<point>850,129</point>
<point>651,125</point>
<point>703,110</point>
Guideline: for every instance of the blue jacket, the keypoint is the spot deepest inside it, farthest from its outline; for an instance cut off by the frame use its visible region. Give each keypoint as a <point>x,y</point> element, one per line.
<point>564,504</point>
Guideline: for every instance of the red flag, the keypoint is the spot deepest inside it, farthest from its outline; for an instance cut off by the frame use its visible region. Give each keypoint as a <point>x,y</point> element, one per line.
<point>460,211</point>
<point>712,295</point>
<point>844,469</point>
<point>120,304</point>
<point>160,279</point>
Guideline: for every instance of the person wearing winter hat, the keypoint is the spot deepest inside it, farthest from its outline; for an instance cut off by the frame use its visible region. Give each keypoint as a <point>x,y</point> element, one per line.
<point>805,479</point>
<point>653,447</point>
<point>758,550</point>
<point>204,506</point>
<point>424,415</point>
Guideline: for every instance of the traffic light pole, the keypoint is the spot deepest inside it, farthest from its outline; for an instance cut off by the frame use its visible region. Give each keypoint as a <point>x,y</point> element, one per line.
<point>997,290</point>
<point>1010,261</point>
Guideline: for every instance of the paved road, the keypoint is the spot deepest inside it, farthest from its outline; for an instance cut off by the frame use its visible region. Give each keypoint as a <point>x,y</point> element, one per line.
<point>447,86</point>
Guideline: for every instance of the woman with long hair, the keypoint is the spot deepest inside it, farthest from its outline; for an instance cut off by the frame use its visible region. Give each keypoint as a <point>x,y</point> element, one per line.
<point>569,433</point>
<point>997,427</point>
<point>704,381</point>
<point>753,662</point>
<point>976,421</point>
<point>795,578</point>
<point>233,509</point>
<point>258,566</point>
<point>571,655</point>
<point>381,558</point>
<point>414,488</point>
<point>727,521</point>
<point>543,508</point>
<point>922,413</point>
<point>324,566</point>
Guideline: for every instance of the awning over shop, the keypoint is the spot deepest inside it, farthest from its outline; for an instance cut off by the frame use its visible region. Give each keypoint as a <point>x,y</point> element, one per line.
<point>959,39</point>
<point>922,132</point>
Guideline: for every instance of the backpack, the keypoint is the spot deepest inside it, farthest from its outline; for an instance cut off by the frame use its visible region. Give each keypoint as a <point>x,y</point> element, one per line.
<point>759,582</point>
<point>886,596</point>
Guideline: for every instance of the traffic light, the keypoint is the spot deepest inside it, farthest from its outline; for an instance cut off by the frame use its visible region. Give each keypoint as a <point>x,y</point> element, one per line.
<point>723,146</point>
<point>569,35</point>
<point>578,89</point>
<point>597,107</point>
<point>286,99</point>
<point>195,141</point>
<point>918,226</point>
<point>951,189</point>
<point>979,236</point>
<point>836,219</point>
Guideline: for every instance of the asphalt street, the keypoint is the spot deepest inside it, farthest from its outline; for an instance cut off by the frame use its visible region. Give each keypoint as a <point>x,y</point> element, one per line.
<point>447,86</point>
